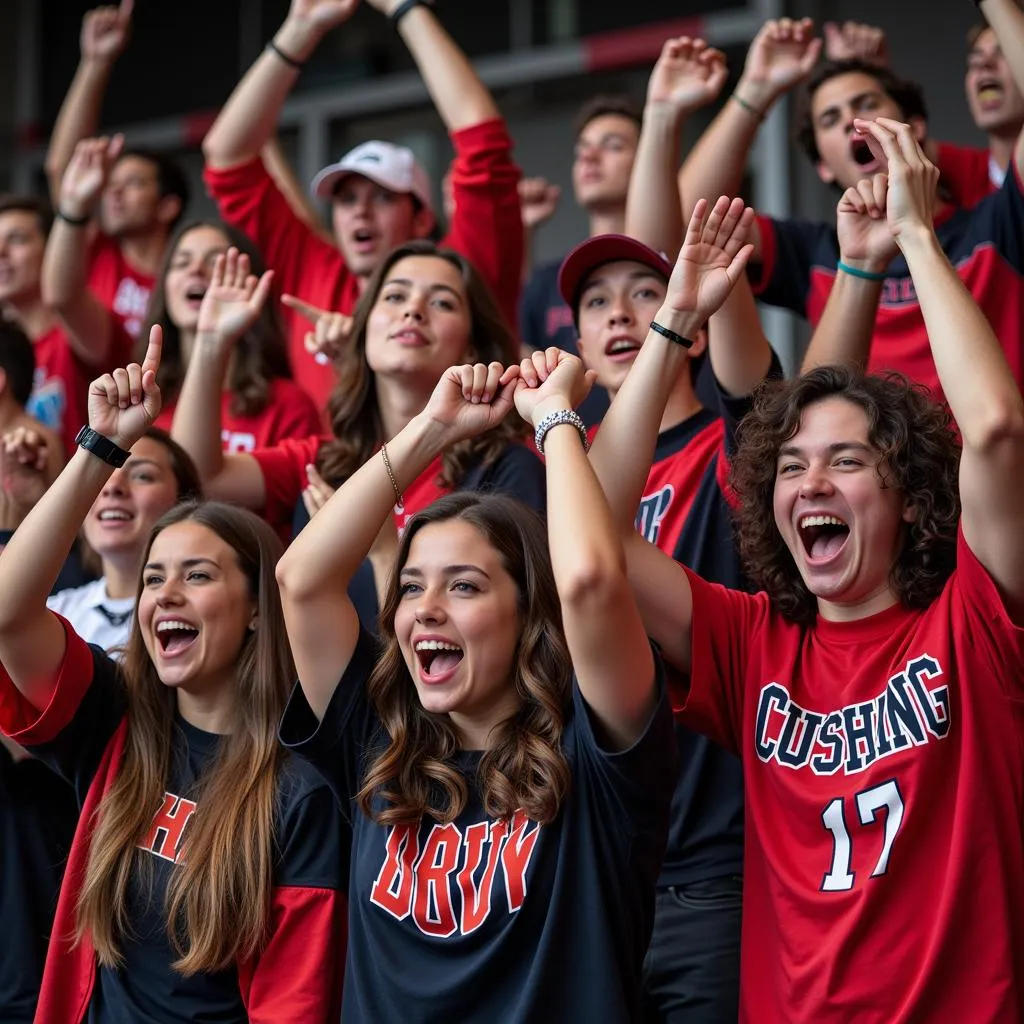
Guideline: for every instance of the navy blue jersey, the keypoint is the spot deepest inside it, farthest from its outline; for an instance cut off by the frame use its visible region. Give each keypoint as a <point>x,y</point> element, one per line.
<point>38,814</point>
<point>483,920</point>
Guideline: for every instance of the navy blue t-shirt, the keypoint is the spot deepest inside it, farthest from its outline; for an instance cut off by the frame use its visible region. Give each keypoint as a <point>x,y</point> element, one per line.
<point>483,920</point>
<point>146,990</point>
<point>38,814</point>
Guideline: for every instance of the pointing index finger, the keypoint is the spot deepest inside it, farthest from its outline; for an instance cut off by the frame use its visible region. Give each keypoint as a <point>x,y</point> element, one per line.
<point>153,352</point>
<point>310,313</point>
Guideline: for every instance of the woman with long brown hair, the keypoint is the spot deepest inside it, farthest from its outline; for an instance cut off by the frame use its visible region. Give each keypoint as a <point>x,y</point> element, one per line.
<point>202,882</point>
<point>506,755</point>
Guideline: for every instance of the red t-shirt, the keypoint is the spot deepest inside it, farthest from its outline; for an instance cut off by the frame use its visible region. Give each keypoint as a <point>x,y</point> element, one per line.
<point>966,173</point>
<point>486,227</point>
<point>60,386</point>
<point>884,770</point>
<point>122,288</point>
<point>290,413</point>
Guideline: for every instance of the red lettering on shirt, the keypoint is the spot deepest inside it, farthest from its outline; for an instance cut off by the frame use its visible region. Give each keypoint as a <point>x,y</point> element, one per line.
<point>164,837</point>
<point>432,909</point>
<point>515,858</point>
<point>476,900</point>
<point>392,891</point>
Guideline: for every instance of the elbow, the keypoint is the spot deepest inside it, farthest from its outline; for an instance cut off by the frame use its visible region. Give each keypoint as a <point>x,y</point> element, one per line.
<point>1002,427</point>
<point>289,575</point>
<point>594,582</point>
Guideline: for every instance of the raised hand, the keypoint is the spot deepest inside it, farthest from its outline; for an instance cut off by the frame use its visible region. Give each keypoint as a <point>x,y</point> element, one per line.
<point>855,41</point>
<point>538,199</point>
<point>913,178</point>
<point>23,458</point>
<point>782,54</point>
<point>330,333</point>
<point>864,236</point>
<point>105,32</point>
<point>234,298</point>
<point>548,381</point>
<point>87,173</point>
<point>714,254</point>
<point>689,74</point>
<point>469,400</point>
<point>321,15</point>
<point>317,491</point>
<point>123,404</point>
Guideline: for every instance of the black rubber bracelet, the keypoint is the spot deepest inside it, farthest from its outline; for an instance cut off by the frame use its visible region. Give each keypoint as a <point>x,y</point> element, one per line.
<point>286,57</point>
<point>671,335</point>
<point>404,8</point>
<point>75,222</point>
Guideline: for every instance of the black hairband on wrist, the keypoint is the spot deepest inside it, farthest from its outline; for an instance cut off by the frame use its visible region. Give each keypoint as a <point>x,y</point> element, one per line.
<point>291,61</point>
<point>405,7</point>
<point>75,222</point>
<point>671,335</point>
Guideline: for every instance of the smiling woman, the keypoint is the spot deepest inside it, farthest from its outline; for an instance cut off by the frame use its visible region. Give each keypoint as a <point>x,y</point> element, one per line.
<point>172,750</point>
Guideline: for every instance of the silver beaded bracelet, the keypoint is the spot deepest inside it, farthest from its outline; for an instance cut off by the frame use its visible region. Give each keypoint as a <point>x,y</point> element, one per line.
<point>554,419</point>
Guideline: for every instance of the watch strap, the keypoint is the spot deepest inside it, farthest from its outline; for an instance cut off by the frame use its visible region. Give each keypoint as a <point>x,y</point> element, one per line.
<point>102,447</point>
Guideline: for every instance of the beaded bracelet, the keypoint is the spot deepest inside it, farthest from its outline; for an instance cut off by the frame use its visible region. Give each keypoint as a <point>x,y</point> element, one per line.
<point>555,419</point>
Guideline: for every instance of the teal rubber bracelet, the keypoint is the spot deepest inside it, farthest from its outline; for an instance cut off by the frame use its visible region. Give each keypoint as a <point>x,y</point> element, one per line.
<point>866,275</point>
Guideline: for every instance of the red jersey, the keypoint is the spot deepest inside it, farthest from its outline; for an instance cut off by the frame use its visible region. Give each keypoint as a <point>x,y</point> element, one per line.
<point>289,413</point>
<point>60,386</point>
<point>984,244</point>
<point>966,173</point>
<point>486,227</point>
<point>122,288</point>
<point>884,772</point>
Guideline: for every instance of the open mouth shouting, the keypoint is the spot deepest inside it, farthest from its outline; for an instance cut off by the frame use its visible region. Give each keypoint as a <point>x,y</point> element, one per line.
<point>990,92</point>
<point>438,660</point>
<point>175,636</point>
<point>823,536</point>
<point>194,294</point>
<point>364,240</point>
<point>862,154</point>
<point>623,348</point>
<point>114,517</point>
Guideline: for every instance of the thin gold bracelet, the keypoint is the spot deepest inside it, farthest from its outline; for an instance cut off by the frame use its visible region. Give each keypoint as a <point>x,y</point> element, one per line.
<point>399,500</point>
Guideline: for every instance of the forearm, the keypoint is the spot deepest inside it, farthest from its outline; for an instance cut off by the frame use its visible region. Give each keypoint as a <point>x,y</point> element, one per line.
<point>843,335</point>
<point>197,416</point>
<point>460,97</point>
<point>335,542</point>
<point>250,116</point>
<point>65,264</point>
<point>654,212</point>
<point>972,368</point>
<point>78,119</point>
<point>737,347</point>
<point>624,446</point>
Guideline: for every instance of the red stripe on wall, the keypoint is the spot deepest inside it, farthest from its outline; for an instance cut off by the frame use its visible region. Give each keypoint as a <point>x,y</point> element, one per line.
<point>630,47</point>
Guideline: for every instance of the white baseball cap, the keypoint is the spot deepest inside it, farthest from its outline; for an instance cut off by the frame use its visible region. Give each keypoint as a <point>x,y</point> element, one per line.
<point>393,167</point>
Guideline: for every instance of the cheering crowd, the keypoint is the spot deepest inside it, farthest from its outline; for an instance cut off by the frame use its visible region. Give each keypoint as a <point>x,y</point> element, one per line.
<point>393,631</point>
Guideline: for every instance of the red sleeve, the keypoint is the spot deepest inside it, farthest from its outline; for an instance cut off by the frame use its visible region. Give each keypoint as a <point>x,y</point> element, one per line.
<point>964,171</point>
<point>762,272</point>
<point>487,225</point>
<point>284,474</point>
<point>711,700</point>
<point>297,978</point>
<point>26,724</point>
<point>294,414</point>
<point>304,264</point>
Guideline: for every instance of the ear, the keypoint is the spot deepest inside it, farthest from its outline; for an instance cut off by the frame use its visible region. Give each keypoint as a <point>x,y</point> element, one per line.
<point>168,209</point>
<point>423,221</point>
<point>253,622</point>
<point>909,513</point>
<point>700,344</point>
<point>825,172</point>
<point>920,128</point>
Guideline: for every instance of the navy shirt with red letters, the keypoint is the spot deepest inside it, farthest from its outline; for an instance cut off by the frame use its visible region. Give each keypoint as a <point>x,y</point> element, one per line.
<point>484,920</point>
<point>308,832</point>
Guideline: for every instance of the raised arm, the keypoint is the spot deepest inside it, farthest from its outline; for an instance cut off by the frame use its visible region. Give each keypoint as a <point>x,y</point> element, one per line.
<point>688,75</point>
<point>89,325</point>
<point>230,307</point>
<point>853,40</point>
<point>105,33</point>
<point>298,199</point>
<point>249,118</point>
<point>315,571</point>
<point>866,248</point>
<point>122,405</point>
<point>711,261</point>
<point>611,655</point>
<point>780,57</point>
<point>1007,21</point>
<point>976,379</point>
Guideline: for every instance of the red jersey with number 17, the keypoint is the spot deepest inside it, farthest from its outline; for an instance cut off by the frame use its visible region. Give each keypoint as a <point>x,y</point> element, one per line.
<point>884,771</point>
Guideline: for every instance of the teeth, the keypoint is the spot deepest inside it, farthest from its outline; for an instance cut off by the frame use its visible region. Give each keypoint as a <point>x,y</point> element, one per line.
<point>169,624</point>
<point>436,645</point>
<point>113,514</point>
<point>820,521</point>
<point>622,346</point>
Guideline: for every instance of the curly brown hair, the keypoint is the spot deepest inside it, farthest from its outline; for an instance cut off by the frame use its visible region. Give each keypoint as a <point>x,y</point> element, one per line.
<point>525,768</point>
<point>352,408</point>
<point>920,457</point>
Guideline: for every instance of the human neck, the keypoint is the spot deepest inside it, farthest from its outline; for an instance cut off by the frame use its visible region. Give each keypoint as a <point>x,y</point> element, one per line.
<point>878,601</point>
<point>31,316</point>
<point>121,576</point>
<point>399,400</point>
<point>681,405</point>
<point>145,250</point>
<point>1001,146</point>
<point>607,220</point>
<point>211,708</point>
<point>477,732</point>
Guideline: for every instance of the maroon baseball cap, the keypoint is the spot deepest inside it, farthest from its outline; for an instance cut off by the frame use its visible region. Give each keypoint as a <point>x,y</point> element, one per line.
<point>601,249</point>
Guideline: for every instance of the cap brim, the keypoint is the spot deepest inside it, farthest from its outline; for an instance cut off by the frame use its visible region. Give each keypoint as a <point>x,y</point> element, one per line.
<point>326,181</point>
<point>601,249</point>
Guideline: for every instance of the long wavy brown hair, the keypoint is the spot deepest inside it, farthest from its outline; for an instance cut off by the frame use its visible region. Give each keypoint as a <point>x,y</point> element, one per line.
<point>524,768</point>
<point>260,355</point>
<point>920,458</point>
<point>353,410</point>
<point>218,899</point>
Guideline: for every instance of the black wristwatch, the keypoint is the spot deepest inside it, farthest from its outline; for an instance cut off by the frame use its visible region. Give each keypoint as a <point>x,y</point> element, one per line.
<point>102,447</point>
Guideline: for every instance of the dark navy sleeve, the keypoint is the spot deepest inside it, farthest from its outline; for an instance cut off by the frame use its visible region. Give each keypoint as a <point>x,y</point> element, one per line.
<point>533,308</point>
<point>732,408</point>
<point>336,745</point>
<point>789,250</point>
<point>71,734</point>
<point>518,472</point>
<point>309,833</point>
<point>999,220</point>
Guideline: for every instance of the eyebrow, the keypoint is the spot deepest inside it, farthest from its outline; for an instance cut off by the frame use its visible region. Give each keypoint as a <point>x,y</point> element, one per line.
<point>634,275</point>
<point>138,460</point>
<point>187,563</point>
<point>433,288</point>
<point>449,570</point>
<point>839,446</point>
<point>859,98</point>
